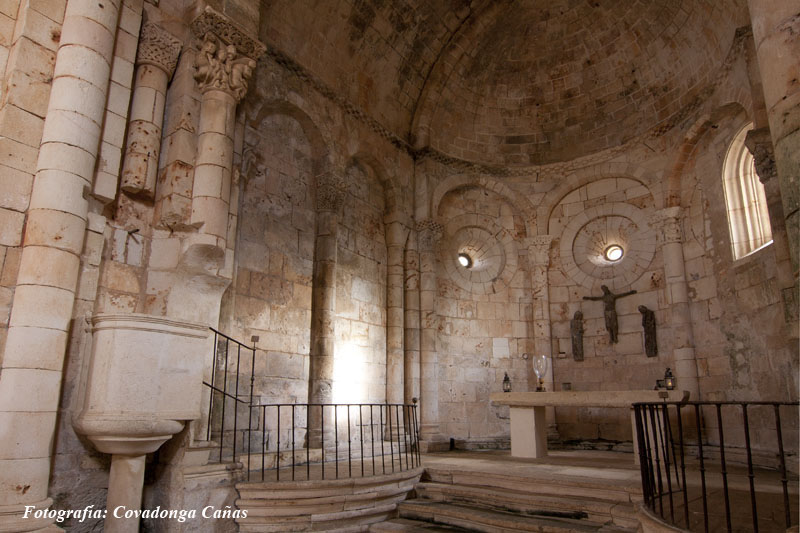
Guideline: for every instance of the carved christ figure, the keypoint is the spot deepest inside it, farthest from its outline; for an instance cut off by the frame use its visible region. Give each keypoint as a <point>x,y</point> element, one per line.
<point>609,300</point>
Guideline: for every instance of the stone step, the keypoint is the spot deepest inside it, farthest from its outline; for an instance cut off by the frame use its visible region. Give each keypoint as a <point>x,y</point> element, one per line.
<point>598,510</point>
<point>340,502</point>
<point>268,460</point>
<point>554,485</point>
<point>212,469</point>
<point>314,455</point>
<point>495,521</point>
<point>342,505</point>
<point>198,452</point>
<point>404,525</point>
<point>337,521</point>
<point>278,490</point>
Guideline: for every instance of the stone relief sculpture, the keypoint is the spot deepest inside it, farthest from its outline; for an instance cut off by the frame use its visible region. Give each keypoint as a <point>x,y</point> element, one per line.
<point>576,329</point>
<point>649,326</point>
<point>218,66</point>
<point>609,300</point>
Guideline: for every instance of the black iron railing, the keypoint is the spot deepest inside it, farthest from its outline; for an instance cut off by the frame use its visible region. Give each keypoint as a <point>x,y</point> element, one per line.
<point>706,466</point>
<point>226,387</point>
<point>362,439</point>
<point>292,440</point>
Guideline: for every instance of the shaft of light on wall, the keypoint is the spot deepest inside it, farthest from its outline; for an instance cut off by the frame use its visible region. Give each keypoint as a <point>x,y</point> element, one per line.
<point>350,373</point>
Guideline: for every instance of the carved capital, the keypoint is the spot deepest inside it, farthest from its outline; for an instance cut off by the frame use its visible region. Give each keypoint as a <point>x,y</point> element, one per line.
<point>211,21</point>
<point>759,143</point>
<point>330,192</point>
<point>539,249</point>
<point>158,47</point>
<point>430,232</point>
<point>219,66</point>
<point>667,223</point>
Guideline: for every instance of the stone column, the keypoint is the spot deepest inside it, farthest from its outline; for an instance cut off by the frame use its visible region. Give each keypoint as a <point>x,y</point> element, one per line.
<point>222,75</point>
<point>539,256</point>
<point>777,38</point>
<point>125,482</point>
<point>33,361</point>
<point>155,62</point>
<point>429,233</point>
<point>759,142</point>
<point>667,223</point>
<point>395,365</point>
<point>329,198</point>
<point>412,329</point>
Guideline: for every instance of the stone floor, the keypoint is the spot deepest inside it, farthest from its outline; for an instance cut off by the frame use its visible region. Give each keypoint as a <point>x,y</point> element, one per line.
<point>619,468</point>
<point>614,469</point>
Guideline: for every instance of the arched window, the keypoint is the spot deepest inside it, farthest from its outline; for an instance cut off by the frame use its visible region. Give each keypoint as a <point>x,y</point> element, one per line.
<point>745,200</point>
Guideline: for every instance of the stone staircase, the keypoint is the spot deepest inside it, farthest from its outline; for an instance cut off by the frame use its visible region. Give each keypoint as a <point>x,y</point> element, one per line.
<point>455,500</point>
<point>338,505</point>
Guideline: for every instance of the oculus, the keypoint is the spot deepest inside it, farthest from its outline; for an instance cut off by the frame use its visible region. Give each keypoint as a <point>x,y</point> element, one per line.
<point>613,253</point>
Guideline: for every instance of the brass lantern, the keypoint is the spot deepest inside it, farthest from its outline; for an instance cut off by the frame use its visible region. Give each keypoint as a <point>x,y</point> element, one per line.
<point>506,383</point>
<point>669,380</point>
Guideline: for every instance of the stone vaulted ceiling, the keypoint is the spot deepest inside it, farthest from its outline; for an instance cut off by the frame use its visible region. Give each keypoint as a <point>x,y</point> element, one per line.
<point>510,82</point>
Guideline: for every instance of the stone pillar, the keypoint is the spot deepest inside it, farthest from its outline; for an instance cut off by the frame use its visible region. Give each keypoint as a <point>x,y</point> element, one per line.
<point>155,62</point>
<point>412,329</point>
<point>33,361</point>
<point>125,482</point>
<point>429,233</point>
<point>222,74</point>
<point>539,256</point>
<point>667,223</point>
<point>776,31</point>
<point>329,198</point>
<point>395,365</point>
<point>759,143</point>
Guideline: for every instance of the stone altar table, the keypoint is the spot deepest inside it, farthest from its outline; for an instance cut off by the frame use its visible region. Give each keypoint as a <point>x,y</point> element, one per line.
<point>528,424</point>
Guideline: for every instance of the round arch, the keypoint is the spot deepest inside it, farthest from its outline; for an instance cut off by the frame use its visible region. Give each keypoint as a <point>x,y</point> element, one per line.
<point>583,177</point>
<point>520,203</point>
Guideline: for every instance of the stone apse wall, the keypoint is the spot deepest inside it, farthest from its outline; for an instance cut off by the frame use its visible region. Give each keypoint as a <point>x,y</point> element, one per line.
<point>338,240</point>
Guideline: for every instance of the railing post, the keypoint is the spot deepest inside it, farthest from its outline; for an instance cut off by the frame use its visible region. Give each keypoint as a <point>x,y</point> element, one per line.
<point>750,474</point>
<point>782,459</point>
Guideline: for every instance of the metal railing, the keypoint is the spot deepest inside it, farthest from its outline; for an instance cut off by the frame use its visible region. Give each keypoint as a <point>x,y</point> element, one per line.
<point>303,440</point>
<point>690,474</point>
<point>379,438</point>
<point>226,349</point>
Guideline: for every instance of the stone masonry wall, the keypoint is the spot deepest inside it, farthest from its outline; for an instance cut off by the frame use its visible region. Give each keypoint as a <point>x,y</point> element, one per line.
<point>602,212</point>
<point>274,262</point>
<point>742,324</point>
<point>484,313</point>
<point>359,373</point>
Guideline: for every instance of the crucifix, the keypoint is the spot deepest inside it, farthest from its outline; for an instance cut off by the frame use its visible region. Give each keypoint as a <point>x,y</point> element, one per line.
<point>609,300</point>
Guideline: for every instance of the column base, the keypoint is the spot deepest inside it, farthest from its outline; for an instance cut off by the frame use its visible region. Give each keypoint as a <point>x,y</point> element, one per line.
<point>430,440</point>
<point>431,446</point>
<point>12,518</point>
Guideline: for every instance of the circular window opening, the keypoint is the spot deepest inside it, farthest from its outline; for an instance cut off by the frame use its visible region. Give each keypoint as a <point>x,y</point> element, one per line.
<point>614,252</point>
<point>464,260</point>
